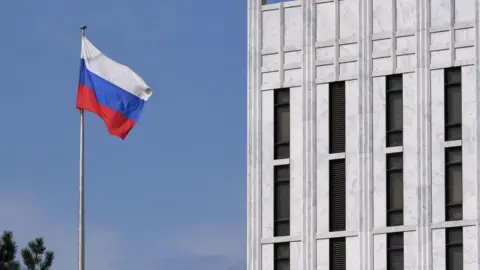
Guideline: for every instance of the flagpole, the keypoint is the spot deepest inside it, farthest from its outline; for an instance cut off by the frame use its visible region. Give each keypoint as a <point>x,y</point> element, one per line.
<point>81,200</point>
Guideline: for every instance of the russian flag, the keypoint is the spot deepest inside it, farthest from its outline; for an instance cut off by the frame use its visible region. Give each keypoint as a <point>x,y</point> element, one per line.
<point>110,90</point>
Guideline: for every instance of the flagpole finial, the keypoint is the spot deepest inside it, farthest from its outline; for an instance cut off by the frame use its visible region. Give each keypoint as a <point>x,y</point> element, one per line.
<point>83,28</point>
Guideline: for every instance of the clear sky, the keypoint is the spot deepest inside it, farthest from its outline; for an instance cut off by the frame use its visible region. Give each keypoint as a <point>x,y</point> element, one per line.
<point>171,196</point>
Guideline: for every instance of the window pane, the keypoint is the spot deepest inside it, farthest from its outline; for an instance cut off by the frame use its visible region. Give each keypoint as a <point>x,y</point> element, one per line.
<point>395,218</point>
<point>394,82</point>
<point>395,240</point>
<point>454,184</point>
<point>282,151</point>
<point>394,138</point>
<point>453,154</point>
<point>395,192</point>
<point>394,113</point>
<point>395,258</point>
<point>453,75</point>
<point>282,201</point>
<point>282,265</point>
<point>282,228</point>
<point>453,133</point>
<point>394,161</point>
<point>453,100</point>
<point>454,212</point>
<point>282,173</point>
<point>454,258</point>
<point>282,250</point>
<point>454,235</point>
<point>282,96</point>
<point>282,124</point>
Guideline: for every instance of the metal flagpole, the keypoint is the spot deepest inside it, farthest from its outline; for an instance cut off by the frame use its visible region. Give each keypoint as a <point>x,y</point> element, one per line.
<point>81,207</point>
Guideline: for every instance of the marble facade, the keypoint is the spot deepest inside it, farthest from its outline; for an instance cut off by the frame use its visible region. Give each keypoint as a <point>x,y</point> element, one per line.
<point>305,45</point>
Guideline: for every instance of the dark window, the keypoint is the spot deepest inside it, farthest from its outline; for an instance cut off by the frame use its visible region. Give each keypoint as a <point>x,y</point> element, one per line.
<point>337,254</point>
<point>453,104</point>
<point>337,117</point>
<point>454,248</point>
<point>395,189</point>
<point>282,200</point>
<point>394,108</point>
<point>337,195</point>
<point>281,256</point>
<point>266,2</point>
<point>453,183</point>
<point>395,251</point>
<point>282,123</point>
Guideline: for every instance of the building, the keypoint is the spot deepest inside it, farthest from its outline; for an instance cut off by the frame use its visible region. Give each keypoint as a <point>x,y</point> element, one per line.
<point>363,134</point>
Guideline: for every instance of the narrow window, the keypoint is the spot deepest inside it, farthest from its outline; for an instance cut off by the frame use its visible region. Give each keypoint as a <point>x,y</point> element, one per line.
<point>453,183</point>
<point>453,104</point>
<point>282,200</point>
<point>395,251</point>
<point>337,195</point>
<point>337,254</point>
<point>454,248</point>
<point>281,256</point>
<point>394,110</point>
<point>337,117</point>
<point>395,189</point>
<point>282,123</point>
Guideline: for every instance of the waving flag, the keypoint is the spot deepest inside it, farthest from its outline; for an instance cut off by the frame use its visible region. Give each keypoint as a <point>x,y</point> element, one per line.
<point>110,90</point>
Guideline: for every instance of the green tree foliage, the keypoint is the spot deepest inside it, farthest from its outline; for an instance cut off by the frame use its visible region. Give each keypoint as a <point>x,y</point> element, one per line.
<point>35,256</point>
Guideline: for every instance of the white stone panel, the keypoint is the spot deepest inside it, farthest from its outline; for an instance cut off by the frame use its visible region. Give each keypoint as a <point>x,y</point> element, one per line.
<point>470,248</point>
<point>464,11</point>
<point>325,22</point>
<point>382,16</point>
<point>293,58</point>
<point>267,166</point>
<point>271,30</point>
<point>440,13</point>
<point>296,161</point>
<point>271,61</point>
<point>406,15</point>
<point>348,19</point>
<point>410,250</point>
<point>438,149</point>
<point>438,249</point>
<point>379,156</point>
<point>293,77</point>
<point>352,252</point>
<point>293,37</point>
<point>322,160</point>
<point>270,80</point>
<point>267,257</point>
<point>296,256</point>
<point>323,254</point>
<point>380,252</point>
<point>469,142</point>
<point>352,152</point>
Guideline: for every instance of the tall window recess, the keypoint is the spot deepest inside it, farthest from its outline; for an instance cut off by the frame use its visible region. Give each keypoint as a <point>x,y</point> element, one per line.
<point>454,248</point>
<point>281,256</point>
<point>395,189</point>
<point>281,200</point>
<point>337,117</point>
<point>395,257</point>
<point>453,184</point>
<point>453,104</point>
<point>337,195</point>
<point>337,254</point>
<point>394,110</point>
<point>282,123</point>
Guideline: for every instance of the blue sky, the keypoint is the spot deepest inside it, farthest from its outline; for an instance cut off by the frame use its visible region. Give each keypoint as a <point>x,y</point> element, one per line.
<point>171,196</point>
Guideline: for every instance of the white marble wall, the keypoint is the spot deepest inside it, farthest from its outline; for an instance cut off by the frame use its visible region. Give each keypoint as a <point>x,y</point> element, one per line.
<point>305,45</point>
